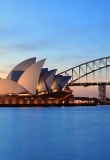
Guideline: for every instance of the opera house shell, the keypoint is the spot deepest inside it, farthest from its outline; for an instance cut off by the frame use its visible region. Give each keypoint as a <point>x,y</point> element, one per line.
<point>31,78</point>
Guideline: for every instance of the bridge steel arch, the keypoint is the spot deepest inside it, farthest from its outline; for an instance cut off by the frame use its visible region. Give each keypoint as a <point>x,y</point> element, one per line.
<point>84,69</point>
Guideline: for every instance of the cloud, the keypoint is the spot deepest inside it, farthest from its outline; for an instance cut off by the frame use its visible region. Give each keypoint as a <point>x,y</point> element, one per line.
<point>69,61</point>
<point>31,46</point>
<point>23,47</point>
<point>8,32</point>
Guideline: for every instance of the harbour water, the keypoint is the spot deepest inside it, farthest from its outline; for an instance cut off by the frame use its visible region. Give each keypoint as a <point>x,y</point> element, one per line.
<point>58,133</point>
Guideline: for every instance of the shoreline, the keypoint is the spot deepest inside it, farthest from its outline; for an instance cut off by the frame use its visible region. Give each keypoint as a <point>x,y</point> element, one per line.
<point>45,105</point>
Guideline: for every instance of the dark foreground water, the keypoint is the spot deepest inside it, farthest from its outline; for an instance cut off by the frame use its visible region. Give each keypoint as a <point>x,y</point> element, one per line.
<point>73,133</point>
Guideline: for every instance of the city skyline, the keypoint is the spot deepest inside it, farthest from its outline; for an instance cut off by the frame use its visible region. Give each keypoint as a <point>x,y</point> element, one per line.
<point>67,33</point>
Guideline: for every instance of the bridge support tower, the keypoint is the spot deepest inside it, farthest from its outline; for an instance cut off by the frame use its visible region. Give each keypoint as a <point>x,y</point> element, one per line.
<point>102,93</point>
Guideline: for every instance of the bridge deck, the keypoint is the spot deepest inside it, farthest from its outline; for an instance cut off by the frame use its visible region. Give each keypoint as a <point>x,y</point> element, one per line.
<point>88,84</point>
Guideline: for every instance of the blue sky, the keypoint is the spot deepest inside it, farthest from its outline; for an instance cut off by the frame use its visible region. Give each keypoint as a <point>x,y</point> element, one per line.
<point>66,32</point>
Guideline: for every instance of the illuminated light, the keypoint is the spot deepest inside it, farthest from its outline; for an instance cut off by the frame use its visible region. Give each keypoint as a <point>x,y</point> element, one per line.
<point>6,102</point>
<point>28,101</point>
<point>55,90</point>
<point>23,94</point>
<point>51,98</point>
<point>41,93</point>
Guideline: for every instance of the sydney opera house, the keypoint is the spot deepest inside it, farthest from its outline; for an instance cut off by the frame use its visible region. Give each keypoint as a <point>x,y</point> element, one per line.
<point>30,83</point>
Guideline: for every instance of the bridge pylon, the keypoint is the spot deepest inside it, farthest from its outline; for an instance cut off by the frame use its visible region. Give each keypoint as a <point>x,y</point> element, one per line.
<point>102,93</point>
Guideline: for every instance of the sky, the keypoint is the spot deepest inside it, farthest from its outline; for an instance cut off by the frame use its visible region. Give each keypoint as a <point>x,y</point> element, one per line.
<point>65,32</point>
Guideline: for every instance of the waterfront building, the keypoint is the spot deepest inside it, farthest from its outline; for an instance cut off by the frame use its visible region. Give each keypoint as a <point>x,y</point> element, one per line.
<point>31,78</point>
<point>29,84</point>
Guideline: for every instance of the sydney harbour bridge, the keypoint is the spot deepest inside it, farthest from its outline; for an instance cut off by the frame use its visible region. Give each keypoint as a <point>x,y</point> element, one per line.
<point>92,73</point>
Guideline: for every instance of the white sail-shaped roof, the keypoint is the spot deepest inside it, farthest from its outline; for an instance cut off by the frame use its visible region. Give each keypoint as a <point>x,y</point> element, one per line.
<point>30,78</point>
<point>59,82</point>
<point>41,86</point>
<point>8,86</point>
<point>50,79</point>
<point>17,71</point>
<point>46,80</point>
<point>64,81</point>
<point>56,82</point>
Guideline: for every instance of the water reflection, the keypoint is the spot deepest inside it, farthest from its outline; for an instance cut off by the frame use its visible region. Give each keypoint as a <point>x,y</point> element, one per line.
<point>77,133</point>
